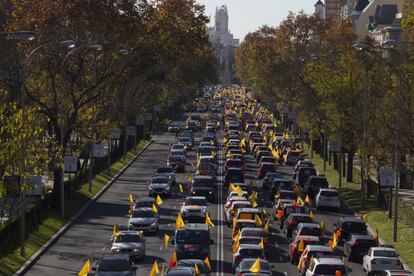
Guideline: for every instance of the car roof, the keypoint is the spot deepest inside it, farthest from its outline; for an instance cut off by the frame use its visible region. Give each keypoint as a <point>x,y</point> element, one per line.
<point>307,238</point>
<point>351,219</point>
<point>116,257</point>
<point>329,260</point>
<point>299,215</point>
<point>195,226</point>
<point>383,248</point>
<point>321,248</point>
<point>195,197</point>
<point>250,246</point>
<point>251,229</point>
<point>190,261</point>
<point>249,210</point>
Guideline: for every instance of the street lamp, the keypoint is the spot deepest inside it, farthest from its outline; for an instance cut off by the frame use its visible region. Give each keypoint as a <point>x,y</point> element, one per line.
<point>360,46</point>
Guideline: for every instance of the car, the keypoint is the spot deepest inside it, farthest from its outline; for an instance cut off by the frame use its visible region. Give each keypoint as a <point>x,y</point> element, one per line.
<point>313,251</point>
<point>115,264</point>
<point>302,175</point>
<point>167,171</point>
<point>250,213</point>
<point>233,175</point>
<point>231,212</point>
<point>187,141</point>
<point>144,202</point>
<point>294,247</point>
<point>265,168</point>
<point>191,263</point>
<point>284,196</point>
<point>143,219</point>
<point>262,154</point>
<point>159,185</point>
<point>192,241</point>
<point>357,246</point>
<point>247,251</point>
<point>287,209</point>
<point>194,209</point>
<point>350,225</point>
<point>206,169</point>
<point>314,183</point>
<point>327,266</point>
<point>293,221</point>
<point>254,232</point>
<point>268,179</point>
<point>233,163</point>
<point>396,273</point>
<point>243,269</point>
<point>240,224</point>
<point>179,147</point>
<point>267,159</point>
<point>177,162</point>
<point>292,157</point>
<point>202,185</point>
<point>173,129</point>
<point>129,242</point>
<point>302,163</point>
<point>231,199</point>
<point>327,198</point>
<point>309,229</point>
<point>208,160</point>
<point>379,259</point>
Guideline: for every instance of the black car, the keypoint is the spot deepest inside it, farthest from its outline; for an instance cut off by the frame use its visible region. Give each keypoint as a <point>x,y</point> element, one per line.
<point>357,246</point>
<point>177,162</point>
<point>233,175</point>
<point>203,185</point>
<point>116,264</point>
<point>350,226</point>
<point>193,241</point>
<point>292,222</point>
<point>303,174</point>
<point>314,183</point>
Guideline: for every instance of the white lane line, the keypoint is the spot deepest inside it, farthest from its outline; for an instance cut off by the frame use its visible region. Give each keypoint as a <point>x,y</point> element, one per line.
<point>221,211</point>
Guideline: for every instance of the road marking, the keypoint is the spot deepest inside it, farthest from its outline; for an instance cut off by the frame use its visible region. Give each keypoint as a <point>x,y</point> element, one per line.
<point>220,247</point>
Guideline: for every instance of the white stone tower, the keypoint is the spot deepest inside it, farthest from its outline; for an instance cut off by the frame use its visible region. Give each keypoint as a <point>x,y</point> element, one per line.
<point>320,9</point>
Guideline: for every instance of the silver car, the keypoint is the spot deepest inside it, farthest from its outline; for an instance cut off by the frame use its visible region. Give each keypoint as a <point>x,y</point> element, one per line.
<point>129,242</point>
<point>159,185</point>
<point>143,219</point>
<point>167,171</point>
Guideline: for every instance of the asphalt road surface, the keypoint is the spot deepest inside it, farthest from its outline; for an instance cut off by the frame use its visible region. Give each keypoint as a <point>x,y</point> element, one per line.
<point>89,237</point>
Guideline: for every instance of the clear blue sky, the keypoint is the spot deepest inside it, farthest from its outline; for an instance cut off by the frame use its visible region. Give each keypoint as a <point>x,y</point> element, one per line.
<point>248,15</point>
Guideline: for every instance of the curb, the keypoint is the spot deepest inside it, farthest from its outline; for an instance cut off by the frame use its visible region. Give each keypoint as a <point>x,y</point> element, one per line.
<point>35,257</point>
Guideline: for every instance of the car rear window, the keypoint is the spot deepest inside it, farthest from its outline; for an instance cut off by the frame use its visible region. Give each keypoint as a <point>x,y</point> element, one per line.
<point>114,265</point>
<point>354,227</point>
<point>329,193</point>
<point>192,236</point>
<point>320,182</point>
<point>259,234</point>
<point>304,219</point>
<point>326,269</point>
<point>308,231</point>
<point>203,183</point>
<point>385,253</point>
<point>264,266</point>
<point>254,253</point>
<point>164,170</point>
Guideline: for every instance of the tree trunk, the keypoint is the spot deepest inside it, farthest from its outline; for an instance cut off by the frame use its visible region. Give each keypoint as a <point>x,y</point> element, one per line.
<point>350,171</point>
<point>335,161</point>
<point>55,203</point>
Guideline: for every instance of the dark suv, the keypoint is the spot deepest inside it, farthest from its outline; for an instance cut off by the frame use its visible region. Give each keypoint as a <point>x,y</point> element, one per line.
<point>303,174</point>
<point>350,226</point>
<point>314,183</point>
<point>193,241</point>
<point>203,185</point>
<point>357,246</point>
<point>233,175</point>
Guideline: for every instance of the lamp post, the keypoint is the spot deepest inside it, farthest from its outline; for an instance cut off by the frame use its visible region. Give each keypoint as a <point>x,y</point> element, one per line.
<point>364,165</point>
<point>96,48</point>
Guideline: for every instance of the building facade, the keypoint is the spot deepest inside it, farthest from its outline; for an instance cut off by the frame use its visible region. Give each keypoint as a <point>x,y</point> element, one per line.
<point>224,44</point>
<point>333,8</point>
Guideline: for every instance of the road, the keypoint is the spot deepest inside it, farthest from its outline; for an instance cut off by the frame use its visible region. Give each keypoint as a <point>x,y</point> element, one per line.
<point>90,236</point>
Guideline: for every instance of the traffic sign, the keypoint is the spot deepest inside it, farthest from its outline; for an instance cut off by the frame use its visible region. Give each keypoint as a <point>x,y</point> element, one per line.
<point>148,116</point>
<point>334,146</point>
<point>387,177</point>
<point>98,150</point>
<point>70,164</point>
<point>140,121</point>
<point>131,130</point>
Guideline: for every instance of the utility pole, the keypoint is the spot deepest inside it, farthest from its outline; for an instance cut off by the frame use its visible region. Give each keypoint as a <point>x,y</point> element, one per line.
<point>397,158</point>
<point>109,155</point>
<point>62,178</point>
<point>90,172</point>
<point>324,139</point>
<point>364,163</point>
<point>340,167</point>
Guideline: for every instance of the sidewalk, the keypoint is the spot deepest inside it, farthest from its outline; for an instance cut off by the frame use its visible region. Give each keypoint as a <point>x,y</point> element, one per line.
<point>405,195</point>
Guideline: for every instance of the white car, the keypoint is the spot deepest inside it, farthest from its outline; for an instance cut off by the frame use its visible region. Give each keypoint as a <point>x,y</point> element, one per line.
<point>379,259</point>
<point>397,273</point>
<point>129,242</point>
<point>326,266</point>
<point>327,198</point>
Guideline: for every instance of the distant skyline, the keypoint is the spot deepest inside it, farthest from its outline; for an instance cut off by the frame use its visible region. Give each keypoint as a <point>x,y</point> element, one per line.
<point>249,15</point>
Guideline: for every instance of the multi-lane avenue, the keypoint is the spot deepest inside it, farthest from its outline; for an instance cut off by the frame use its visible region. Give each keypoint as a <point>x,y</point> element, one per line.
<point>89,237</point>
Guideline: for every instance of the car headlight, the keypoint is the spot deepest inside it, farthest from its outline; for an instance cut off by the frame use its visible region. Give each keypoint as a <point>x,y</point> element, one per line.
<point>154,224</point>
<point>210,192</point>
<point>136,250</point>
<point>168,188</point>
<point>116,250</point>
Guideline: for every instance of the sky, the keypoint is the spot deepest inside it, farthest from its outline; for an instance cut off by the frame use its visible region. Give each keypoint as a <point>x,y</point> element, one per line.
<point>249,15</point>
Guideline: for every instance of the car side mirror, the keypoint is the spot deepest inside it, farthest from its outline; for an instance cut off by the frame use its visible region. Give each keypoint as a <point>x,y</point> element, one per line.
<point>211,241</point>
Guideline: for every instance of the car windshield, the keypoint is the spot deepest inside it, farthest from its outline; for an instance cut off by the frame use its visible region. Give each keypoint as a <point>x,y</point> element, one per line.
<point>184,140</point>
<point>233,163</point>
<point>143,204</point>
<point>203,183</point>
<point>114,265</point>
<point>329,193</point>
<point>164,170</point>
<point>385,253</point>
<point>128,238</point>
<point>311,231</point>
<point>254,253</point>
<point>205,150</point>
<point>178,146</point>
<point>192,236</point>
<point>250,240</point>
<point>308,171</point>
<point>159,180</point>
<point>143,214</point>
<point>287,195</point>
<point>326,269</point>
<point>196,201</point>
<point>246,265</point>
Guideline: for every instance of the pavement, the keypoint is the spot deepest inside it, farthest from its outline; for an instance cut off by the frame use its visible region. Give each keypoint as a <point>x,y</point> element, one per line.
<point>89,236</point>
